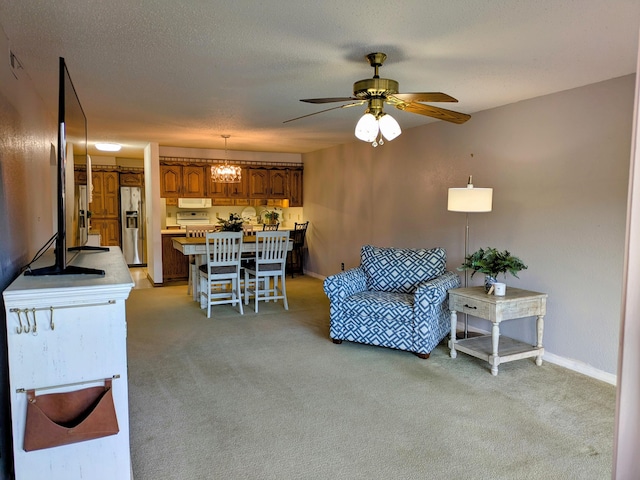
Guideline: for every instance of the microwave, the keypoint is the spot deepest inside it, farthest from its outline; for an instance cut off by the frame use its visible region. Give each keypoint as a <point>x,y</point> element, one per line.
<point>194,202</point>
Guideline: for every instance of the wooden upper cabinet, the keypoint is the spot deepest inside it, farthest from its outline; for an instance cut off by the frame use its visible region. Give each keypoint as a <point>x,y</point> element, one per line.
<point>80,177</point>
<point>278,184</point>
<point>131,179</point>
<point>193,181</point>
<point>106,189</point>
<point>170,180</point>
<point>240,189</point>
<point>258,183</point>
<point>266,183</point>
<point>182,181</point>
<point>295,187</point>
<point>217,190</point>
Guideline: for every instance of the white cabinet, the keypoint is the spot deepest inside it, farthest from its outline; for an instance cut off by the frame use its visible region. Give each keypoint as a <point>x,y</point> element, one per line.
<point>67,333</point>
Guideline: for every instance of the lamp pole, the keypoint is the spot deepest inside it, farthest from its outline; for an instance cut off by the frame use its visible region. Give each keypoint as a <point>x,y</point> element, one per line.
<point>469,200</point>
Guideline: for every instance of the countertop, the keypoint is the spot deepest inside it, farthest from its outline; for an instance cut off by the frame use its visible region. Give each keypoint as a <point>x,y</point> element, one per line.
<point>178,231</point>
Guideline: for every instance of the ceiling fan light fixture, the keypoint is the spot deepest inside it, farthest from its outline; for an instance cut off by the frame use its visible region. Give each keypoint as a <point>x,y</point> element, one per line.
<point>225,173</point>
<point>367,128</point>
<point>389,127</point>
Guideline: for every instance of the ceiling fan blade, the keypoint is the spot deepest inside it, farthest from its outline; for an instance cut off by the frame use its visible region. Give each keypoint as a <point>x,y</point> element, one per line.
<point>424,97</point>
<point>435,112</point>
<point>362,102</point>
<point>328,100</point>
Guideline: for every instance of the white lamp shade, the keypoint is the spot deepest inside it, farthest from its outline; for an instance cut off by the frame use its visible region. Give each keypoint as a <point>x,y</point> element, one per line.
<point>367,128</point>
<point>389,127</point>
<point>470,199</point>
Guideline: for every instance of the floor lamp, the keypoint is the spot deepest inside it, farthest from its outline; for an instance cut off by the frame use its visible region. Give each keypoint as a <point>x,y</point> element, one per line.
<point>469,200</point>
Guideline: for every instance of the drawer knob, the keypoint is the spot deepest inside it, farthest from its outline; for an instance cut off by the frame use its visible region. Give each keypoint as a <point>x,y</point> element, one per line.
<point>469,306</point>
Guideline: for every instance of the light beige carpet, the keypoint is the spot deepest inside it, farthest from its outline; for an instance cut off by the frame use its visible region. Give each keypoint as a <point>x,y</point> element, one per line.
<point>269,396</point>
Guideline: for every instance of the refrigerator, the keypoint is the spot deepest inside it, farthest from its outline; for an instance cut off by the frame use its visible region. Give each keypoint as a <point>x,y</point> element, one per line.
<point>133,225</point>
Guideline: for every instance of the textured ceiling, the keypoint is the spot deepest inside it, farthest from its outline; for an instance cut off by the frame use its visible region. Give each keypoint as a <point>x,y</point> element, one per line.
<point>184,73</point>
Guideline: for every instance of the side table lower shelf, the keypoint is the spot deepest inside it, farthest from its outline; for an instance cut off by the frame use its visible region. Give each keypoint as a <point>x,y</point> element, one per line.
<point>508,349</point>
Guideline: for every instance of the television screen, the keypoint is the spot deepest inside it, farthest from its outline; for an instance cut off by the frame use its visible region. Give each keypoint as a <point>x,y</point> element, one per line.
<point>72,148</point>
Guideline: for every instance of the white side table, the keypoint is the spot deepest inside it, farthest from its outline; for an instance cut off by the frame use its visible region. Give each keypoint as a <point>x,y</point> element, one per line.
<point>515,304</point>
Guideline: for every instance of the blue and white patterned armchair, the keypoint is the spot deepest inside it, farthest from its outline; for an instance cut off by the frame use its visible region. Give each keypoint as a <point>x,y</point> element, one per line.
<point>396,298</point>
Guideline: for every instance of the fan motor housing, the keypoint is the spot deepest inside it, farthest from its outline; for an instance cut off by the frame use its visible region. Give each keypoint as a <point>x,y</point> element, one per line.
<point>374,88</point>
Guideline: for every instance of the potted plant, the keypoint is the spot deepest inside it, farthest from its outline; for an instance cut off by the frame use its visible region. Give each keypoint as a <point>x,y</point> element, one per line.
<point>233,224</point>
<point>271,217</point>
<point>492,262</point>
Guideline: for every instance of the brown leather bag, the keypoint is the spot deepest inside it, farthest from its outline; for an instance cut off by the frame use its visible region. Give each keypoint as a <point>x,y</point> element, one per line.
<point>62,418</point>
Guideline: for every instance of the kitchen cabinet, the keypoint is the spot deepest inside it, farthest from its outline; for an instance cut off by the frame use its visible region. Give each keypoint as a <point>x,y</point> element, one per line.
<point>131,179</point>
<point>229,193</point>
<point>175,265</point>
<point>267,183</point>
<point>295,187</point>
<point>80,177</point>
<point>258,183</point>
<point>67,333</point>
<point>186,181</point>
<point>106,195</point>
<point>193,181</point>
<point>170,181</point>
<point>108,228</point>
<point>105,207</point>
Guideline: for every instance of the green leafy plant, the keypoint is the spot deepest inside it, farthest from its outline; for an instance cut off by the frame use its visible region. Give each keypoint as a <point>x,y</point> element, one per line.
<point>233,224</point>
<point>272,216</point>
<point>492,262</point>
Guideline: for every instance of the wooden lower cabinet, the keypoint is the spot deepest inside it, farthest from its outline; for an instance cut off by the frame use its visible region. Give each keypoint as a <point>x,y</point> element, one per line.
<point>175,265</point>
<point>109,230</point>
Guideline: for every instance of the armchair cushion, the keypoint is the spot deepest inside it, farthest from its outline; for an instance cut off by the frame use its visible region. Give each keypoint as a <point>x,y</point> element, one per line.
<point>400,270</point>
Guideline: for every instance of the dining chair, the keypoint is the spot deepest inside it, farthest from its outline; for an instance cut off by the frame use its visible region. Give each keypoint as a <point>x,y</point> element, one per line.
<point>295,258</point>
<point>272,227</point>
<point>248,228</point>
<point>220,273</point>
<point>264,276</point>
<point>196,260</point>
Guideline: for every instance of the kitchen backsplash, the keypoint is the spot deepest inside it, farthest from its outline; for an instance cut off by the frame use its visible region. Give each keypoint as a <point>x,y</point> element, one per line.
<point>289,215</point>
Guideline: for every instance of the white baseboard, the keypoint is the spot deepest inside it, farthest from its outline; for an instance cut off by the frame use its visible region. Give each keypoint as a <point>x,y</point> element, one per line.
<point>580,367</point>
<point>568,363</point>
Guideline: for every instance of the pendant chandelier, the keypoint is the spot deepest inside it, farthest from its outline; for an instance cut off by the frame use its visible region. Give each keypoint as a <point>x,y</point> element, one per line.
<point>223,172</point>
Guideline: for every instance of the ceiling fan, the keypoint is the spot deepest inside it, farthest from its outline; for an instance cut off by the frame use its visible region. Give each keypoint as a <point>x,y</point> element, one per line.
<point>375,92</point>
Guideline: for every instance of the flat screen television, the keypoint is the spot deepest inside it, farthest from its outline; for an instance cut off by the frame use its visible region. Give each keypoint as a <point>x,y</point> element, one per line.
<point>72,221</point>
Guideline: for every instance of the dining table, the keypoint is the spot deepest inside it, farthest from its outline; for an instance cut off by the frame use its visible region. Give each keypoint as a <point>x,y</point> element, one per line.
<point>198,246</point>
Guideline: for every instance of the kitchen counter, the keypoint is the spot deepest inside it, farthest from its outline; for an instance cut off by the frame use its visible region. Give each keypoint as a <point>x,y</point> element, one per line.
<point>178,231</point>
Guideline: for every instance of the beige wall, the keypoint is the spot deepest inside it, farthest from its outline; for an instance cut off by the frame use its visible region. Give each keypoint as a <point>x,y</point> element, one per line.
<point>27,201</point>
<point>627,434</point>
<point>559,168</point>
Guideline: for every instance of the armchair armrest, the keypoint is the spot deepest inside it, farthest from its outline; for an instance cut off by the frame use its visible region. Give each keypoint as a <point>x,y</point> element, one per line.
<point>435,291</point>
<point>431,311</point>
<point>344,284</point>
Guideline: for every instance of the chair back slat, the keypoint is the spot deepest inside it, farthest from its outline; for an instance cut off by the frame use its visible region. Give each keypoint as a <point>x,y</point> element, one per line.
<point>223,248</point>
<point>271,247</point>
<point>199,230</point>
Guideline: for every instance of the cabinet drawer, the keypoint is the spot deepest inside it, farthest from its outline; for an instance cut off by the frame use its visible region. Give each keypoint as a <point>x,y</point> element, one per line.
<point>472,306</point>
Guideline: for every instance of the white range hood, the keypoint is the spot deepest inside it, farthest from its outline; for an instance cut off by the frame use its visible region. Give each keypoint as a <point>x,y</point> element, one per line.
<point>194,202</point>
